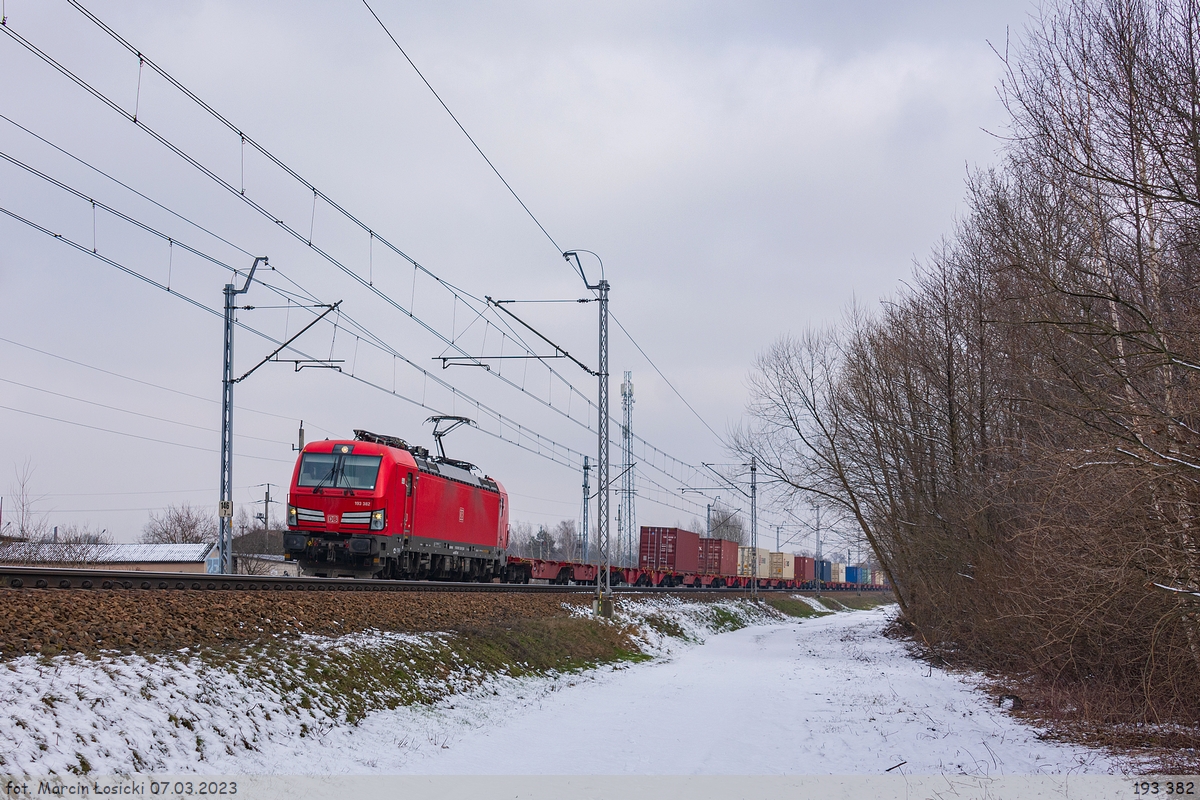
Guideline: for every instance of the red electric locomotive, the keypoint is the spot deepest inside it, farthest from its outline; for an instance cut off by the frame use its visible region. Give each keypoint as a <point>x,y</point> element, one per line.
<point>378,507</point>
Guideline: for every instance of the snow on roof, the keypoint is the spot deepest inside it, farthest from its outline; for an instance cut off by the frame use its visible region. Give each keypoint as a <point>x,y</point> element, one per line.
<point>57,553</point>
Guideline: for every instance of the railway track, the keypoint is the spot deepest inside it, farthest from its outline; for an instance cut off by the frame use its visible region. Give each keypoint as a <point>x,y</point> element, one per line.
<point>19,577</point>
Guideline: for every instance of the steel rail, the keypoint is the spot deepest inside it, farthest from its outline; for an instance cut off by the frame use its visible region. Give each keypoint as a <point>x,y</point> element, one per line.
<point>21,577</point>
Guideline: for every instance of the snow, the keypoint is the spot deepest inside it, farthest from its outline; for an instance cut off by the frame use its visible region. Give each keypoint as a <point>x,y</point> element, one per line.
<point>822,696</point>
<point>42,553</point>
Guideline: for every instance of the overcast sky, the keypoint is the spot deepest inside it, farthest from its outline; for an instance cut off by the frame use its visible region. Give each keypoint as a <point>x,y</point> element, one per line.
<point>744,170</point>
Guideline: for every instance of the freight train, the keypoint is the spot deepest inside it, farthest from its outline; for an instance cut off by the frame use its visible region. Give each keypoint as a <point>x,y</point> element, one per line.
<point>378,507</point>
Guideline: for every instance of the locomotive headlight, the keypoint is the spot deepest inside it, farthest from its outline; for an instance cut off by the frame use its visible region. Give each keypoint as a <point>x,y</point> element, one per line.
<point>378,519</point>
<point>292,522</point>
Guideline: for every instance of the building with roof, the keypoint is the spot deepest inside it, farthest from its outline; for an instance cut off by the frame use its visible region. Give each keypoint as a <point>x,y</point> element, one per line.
<point>86,555</point>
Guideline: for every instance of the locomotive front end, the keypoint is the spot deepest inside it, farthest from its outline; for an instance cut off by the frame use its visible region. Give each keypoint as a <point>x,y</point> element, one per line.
<point>340,520</point>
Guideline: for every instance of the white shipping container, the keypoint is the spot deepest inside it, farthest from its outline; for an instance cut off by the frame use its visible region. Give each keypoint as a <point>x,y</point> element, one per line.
<point>746,558</point>
<point>783,567</point>
<point>838,573</point>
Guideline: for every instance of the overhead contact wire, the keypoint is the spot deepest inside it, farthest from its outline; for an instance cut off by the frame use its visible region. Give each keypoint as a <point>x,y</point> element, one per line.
<point>478,149</point>
<point>317,193</point>
<point>461,294</point>
<point>373,339</point>
<point>546,447</point>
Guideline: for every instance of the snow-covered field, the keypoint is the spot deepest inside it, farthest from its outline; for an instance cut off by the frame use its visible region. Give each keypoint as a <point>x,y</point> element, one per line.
<point>828,695</point>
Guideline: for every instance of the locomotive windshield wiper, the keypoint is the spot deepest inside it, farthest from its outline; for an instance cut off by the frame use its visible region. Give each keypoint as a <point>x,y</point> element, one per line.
<point>333,475</point>
<point>329,476</point>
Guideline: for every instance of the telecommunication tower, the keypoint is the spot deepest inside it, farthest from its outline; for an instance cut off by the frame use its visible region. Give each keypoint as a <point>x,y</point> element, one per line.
<point>586,499</point>
<point>627,516</point>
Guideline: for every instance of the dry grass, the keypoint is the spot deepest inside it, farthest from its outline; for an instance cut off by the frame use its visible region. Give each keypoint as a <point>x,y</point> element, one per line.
<point>1093,713</point>
<point>1101,716</point>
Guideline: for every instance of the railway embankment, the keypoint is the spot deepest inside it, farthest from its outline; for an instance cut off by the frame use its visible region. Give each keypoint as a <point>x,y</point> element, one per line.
<point>49,622</point>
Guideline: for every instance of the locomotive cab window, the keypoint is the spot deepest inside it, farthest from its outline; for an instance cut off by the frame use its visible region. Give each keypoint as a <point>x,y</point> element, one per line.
<point>338,471</point>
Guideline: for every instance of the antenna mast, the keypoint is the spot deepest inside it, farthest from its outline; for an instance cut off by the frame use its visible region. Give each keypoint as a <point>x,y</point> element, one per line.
<point>586,500</point>
<point>627,486</point>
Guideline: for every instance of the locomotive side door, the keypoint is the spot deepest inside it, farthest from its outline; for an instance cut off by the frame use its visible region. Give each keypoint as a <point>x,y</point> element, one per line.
<point>500,525</point>
<point>410,501</point>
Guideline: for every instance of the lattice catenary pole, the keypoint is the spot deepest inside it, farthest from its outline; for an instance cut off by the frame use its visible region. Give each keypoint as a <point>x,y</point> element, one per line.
<point>603,581</point>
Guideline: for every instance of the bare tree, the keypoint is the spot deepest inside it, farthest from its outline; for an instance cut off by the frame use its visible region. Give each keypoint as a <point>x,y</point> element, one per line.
<point>728,524</point>
<point>182,524</point>
<point>800,433</point>
<point>259,541</point>
<point>568,541</point>
<point>543,544</point>
<point>30,524</point>
<point>520,539</point>
<point>725,522</point>
<point>251,564</point>
<point>1016,433</point>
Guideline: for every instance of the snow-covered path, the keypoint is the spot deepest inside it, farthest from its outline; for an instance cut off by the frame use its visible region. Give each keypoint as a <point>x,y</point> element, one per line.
<point>823,696</point>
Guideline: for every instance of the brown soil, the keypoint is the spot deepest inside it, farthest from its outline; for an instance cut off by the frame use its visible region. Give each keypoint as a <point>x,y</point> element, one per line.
<point>51,621</point>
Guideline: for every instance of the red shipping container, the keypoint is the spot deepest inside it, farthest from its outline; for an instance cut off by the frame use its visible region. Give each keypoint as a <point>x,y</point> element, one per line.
<point>718,556</point>
<point>669,550</point>
<point>805,569</point>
